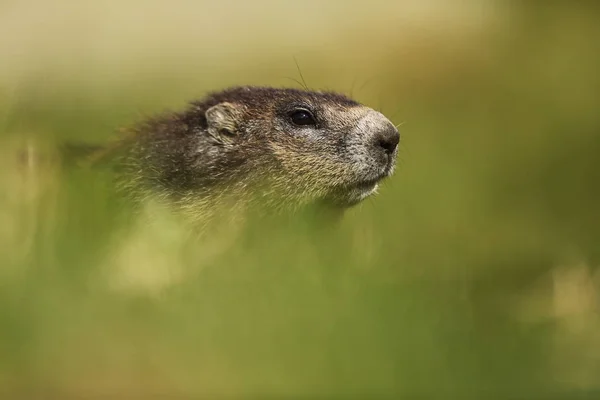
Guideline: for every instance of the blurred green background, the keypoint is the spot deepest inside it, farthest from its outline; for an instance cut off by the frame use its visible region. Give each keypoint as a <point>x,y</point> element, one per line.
<point>473,274</point>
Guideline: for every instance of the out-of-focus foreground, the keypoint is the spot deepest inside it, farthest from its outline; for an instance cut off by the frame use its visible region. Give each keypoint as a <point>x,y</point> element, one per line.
<point>473,273</point>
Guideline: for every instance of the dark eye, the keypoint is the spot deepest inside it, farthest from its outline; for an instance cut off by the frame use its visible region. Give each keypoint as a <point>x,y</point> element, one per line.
<point>302,117</point>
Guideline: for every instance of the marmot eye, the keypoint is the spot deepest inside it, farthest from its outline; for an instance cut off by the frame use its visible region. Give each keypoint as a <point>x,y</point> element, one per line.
<point>302,117</point>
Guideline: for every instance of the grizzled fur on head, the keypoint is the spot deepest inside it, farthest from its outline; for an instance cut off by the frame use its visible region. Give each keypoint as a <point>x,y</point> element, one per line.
<point>282,148</point>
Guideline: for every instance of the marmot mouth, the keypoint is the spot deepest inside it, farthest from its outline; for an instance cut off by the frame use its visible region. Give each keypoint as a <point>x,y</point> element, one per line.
<point>353,193</point>
<point>366,185</point>
<point>360,191</point>
<point>371,182</point>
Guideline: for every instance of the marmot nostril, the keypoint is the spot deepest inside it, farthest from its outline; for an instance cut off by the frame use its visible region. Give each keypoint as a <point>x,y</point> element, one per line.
<point>388,138</point>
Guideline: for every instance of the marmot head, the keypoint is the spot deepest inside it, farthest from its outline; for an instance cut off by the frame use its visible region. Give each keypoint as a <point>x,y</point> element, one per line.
<point>288,147</point>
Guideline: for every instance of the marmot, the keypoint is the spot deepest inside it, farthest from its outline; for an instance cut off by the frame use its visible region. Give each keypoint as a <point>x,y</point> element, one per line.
<point>279,148</point>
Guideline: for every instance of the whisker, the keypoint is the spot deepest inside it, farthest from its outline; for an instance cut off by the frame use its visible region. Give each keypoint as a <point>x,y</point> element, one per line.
<point>300,72</point>
<point>297,81</point>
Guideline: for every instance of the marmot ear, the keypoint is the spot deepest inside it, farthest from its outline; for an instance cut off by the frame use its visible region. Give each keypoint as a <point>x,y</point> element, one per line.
<point>223,121</point>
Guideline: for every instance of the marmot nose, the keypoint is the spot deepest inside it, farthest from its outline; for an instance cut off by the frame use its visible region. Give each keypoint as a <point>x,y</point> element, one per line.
<point>387,138</point>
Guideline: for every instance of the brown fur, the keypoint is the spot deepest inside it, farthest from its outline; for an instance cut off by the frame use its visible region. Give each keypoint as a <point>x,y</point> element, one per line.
<point>238,148</point>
